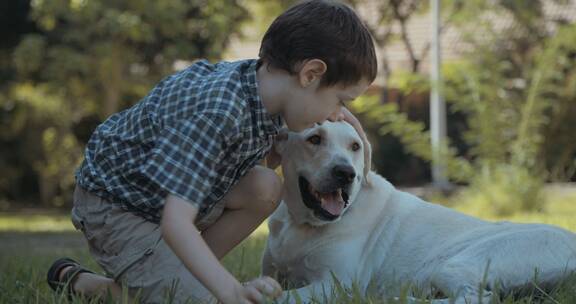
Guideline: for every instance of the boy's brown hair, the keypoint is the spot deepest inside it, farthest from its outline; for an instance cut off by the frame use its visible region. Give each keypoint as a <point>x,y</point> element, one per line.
<point>325,30</point>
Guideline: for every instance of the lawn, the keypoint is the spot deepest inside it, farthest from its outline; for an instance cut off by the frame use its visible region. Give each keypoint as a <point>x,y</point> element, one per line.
<point>30,241</point>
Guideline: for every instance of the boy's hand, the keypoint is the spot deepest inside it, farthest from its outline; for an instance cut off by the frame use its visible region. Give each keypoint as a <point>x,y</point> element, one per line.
<point>258,291</point>
<point>348,117</point>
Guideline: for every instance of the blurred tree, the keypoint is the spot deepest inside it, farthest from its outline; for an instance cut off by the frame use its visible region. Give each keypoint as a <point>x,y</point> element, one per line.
<point>17,173</point>
<point>558,145</point>
<point>516,88</point>
<point>107,52</point>
<point>90,59</point>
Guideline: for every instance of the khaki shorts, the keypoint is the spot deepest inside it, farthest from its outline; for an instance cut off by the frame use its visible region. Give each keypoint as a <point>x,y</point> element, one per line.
<point>132,252</point>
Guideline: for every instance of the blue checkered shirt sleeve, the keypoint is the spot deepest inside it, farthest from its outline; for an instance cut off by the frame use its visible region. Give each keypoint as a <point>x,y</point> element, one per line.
<point>184,161</point>
<point>193,136</point>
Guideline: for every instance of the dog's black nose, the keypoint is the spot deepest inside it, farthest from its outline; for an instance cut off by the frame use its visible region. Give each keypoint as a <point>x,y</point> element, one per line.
<point>344,173</point>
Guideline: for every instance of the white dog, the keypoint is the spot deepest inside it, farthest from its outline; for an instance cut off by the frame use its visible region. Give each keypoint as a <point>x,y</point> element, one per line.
<point>333,223</point>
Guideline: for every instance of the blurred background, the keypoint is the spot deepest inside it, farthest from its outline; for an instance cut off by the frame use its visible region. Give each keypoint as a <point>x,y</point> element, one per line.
<point>509,82</point>
<point>509,71</point>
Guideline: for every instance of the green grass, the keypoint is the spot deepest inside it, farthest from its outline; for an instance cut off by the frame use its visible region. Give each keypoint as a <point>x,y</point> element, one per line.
<point>25,222</point>
<point>26,256</point>
<point>30,242</point>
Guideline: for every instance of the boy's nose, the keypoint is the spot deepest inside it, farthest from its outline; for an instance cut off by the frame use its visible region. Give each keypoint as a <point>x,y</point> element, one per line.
<point>336,115</point>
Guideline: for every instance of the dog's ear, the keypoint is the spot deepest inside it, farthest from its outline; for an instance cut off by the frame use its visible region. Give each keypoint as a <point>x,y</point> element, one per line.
<point>367,163</point>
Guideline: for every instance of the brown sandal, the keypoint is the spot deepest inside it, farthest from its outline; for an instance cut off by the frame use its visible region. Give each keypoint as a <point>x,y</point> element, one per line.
<point>68,279</point>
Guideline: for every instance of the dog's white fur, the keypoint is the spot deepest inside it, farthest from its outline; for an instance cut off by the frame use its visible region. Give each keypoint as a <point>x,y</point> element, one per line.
<point>387,238</point>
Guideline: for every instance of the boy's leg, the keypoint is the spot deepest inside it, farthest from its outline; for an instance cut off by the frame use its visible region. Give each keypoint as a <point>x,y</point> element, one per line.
<point>130,250</point>
<point>250,201</point>
<point>247,205</point>
<point>87,206</point>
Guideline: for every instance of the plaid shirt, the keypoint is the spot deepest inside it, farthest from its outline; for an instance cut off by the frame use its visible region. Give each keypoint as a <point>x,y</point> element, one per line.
<point>194,135</point>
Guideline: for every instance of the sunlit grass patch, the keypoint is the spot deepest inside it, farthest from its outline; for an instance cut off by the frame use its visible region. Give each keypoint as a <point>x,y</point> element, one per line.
<point>54,222</point>
<point>35,222</point>
<point>559,209</point>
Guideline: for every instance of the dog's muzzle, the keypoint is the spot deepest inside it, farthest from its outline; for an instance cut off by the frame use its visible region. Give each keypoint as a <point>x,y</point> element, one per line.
<point>328,204</point>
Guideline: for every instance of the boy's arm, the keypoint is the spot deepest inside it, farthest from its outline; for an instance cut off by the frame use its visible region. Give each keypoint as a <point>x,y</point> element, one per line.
<point>181,235</point>
<point>185,240</point>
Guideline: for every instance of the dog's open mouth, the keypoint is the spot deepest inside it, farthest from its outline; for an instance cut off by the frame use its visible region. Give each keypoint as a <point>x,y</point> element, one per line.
<point>326,205</point>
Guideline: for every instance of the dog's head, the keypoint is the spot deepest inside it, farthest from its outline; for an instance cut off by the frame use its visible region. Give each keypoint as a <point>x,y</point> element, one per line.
<point>323,171</point>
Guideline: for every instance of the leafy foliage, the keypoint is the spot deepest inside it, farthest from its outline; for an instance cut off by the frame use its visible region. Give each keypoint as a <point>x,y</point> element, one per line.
<point>87,60</point>
<point>516,90</point>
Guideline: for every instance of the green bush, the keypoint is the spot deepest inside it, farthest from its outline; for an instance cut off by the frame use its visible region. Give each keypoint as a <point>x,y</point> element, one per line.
<point>511,116</point>
<point>503,190</point>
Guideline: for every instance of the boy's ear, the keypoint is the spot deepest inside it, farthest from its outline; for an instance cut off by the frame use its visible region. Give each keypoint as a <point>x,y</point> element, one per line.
<point>310,71</point>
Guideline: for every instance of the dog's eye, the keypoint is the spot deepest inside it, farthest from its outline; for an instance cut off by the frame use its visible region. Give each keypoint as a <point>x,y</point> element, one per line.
<point>314,139</point>
<point>355,146</point>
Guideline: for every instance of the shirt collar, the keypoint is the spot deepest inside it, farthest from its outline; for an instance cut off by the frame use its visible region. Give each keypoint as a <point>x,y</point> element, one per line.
<point>266,123</point>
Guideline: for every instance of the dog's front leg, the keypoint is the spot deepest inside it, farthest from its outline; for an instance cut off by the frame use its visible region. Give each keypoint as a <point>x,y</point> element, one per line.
<point>460,281</point>
<point>268,264</point>
<point>317,292</point>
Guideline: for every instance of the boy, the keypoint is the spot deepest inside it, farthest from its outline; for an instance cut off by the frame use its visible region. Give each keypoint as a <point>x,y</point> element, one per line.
<point>171,185</point>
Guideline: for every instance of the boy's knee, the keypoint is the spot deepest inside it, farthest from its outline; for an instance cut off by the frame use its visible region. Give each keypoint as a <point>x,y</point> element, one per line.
<point>266,188</point>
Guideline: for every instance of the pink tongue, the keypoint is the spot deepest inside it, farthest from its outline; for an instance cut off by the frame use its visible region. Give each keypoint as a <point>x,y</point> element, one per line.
<point>332,202</point>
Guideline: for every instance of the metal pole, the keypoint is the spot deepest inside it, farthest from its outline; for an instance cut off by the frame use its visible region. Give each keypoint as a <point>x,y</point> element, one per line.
<point>437,105</point>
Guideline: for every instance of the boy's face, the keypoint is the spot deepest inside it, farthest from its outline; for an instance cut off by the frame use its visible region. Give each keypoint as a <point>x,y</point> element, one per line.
<point>312,104</point>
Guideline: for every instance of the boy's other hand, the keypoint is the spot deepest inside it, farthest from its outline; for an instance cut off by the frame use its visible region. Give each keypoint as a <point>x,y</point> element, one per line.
<point>258,291</point>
